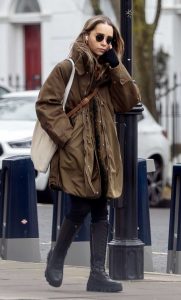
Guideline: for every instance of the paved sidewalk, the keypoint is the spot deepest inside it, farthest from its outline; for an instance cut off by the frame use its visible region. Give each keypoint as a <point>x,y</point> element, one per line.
<point>21,281</point>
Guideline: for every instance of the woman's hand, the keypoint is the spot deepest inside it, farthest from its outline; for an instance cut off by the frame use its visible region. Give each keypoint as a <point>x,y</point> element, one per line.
<point>110,57</point>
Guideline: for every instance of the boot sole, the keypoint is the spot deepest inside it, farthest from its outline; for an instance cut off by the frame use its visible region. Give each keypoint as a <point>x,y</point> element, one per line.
<point>104,288</point>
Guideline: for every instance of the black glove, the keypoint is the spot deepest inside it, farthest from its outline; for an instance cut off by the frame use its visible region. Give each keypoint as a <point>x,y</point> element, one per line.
<point>110,57</point>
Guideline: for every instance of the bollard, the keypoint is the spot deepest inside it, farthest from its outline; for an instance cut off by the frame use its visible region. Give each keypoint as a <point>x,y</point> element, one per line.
<point>79,251</point>
<point>20,236</point>
<point>174,238</point>
<point>144,231</point>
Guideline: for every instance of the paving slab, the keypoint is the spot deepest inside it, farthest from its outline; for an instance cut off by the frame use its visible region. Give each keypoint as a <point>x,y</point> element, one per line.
<point>25,281</point>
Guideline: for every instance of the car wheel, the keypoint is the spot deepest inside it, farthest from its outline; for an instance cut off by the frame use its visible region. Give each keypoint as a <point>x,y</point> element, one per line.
<point>155,185</point>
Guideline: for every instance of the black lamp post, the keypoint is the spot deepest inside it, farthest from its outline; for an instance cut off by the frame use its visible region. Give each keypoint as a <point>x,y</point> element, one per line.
<point>126,32</point>
<point>126,250</point>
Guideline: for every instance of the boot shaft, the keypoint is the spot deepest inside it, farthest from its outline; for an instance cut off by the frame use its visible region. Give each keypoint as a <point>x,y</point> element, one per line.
<point>67,233</point>
<point>99,280</point>
<point>98,244</point>
<point>56,256</point>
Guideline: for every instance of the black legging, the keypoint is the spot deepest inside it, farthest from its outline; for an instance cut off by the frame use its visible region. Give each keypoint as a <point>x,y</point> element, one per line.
<point>80,207</point>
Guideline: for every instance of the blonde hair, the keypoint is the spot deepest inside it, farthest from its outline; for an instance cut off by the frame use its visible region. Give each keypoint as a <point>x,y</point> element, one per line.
<point>81,46</point>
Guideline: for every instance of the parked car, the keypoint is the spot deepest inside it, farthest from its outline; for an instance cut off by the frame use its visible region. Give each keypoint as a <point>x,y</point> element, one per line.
<point>4,89</point>
<point>17,120</point>
<point>153,143</point>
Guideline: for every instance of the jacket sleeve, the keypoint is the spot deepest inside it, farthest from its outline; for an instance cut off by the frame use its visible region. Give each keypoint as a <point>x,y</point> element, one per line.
<point>124,92</point>
<point>49,109</point>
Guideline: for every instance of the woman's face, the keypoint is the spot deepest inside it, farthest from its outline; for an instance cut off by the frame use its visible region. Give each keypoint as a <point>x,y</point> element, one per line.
<point>99,39</point>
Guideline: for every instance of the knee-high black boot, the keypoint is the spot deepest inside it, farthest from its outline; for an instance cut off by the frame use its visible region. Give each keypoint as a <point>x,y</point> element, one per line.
<point>99,280</point>
<point>56,257</point>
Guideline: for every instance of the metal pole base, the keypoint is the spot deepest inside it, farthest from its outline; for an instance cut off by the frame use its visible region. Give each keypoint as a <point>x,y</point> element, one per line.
<point>126,259</point>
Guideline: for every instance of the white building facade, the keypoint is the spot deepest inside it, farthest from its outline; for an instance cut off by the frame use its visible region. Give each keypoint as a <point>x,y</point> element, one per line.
<point>168,31</point>
<point>36,34</point>
<point>167,37</point>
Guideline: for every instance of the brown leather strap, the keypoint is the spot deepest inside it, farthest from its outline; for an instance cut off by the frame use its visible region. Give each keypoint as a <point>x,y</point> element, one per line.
<point>83,103</point>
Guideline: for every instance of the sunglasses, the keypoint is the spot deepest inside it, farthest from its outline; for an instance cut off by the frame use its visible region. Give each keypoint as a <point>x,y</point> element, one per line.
<point>100,37</point>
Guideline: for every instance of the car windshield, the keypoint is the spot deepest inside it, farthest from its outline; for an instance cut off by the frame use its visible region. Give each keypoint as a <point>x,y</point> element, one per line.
<point>18,109</point>
<point>3,91</point>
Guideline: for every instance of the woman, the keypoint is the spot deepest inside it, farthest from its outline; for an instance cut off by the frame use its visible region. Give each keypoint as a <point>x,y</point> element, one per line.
<point>87,164</point>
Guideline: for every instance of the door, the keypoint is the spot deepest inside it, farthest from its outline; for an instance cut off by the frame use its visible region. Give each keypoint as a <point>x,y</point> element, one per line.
<point>32,40</point>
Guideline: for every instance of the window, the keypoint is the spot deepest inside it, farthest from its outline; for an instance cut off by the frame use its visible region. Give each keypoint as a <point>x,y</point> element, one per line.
<point>27,6</point>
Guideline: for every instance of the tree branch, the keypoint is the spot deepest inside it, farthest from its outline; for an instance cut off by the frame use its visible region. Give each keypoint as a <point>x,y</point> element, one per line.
<point>96,7</point>
<point>157,15</point>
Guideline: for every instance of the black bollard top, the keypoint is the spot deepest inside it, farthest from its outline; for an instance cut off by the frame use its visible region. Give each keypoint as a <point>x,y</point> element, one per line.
<point>136,109</point>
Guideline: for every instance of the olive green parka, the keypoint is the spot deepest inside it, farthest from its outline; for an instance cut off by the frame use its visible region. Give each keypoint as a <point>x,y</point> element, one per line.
<point>87,162</point>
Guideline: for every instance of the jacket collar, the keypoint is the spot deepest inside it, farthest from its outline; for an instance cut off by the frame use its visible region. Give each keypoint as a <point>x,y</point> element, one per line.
<point>82,65</point>
<point>81,62</point>
<point>79,65</point>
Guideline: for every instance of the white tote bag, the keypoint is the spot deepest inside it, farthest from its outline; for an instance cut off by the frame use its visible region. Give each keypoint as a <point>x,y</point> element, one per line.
<point>42,147</point>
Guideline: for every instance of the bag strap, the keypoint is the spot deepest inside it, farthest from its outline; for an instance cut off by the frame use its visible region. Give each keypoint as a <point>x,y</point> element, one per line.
<point>69,84</point>
<point>82,104</point>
